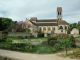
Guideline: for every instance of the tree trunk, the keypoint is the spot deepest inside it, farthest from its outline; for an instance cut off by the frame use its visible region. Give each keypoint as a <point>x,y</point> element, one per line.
<point>66,49</point>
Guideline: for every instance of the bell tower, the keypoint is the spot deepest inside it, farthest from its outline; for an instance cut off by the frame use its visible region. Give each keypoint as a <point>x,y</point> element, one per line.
<point>59,13</point>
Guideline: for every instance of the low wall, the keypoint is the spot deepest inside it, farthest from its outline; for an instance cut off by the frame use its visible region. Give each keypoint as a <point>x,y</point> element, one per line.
<point>15,34</point>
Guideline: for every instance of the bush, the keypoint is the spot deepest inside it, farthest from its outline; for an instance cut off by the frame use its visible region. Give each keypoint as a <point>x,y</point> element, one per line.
<point>44,43</point>
<point>45,50</point>
<point>62,36</point>
<point>0,38</point>
<point>8,40</point>
<point>72,39</point>
<point>51,38</point>
<point>52,42</point>
<point>57,46</point>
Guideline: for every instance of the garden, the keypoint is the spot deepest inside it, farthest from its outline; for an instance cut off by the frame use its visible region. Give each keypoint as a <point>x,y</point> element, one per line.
<point>45,45</point>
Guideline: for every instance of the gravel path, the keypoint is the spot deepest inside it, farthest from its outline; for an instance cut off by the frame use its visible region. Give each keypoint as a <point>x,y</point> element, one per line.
<point>29,56</point>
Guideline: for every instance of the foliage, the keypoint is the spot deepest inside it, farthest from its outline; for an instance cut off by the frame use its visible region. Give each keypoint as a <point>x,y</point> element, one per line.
<point>48,34</point>
<point>62,36</point>
<point>72,39</point>
<point>8,40</point>
<point>0,38</point>
<point>44,43</point>
<point>6,22</point>
<point>51,38</point>
<point>69,30</point>
<point>66,43</point>
<point>57,46</point>
<point>17,26</point>
<point>52,42</point>
<point>43,50</point>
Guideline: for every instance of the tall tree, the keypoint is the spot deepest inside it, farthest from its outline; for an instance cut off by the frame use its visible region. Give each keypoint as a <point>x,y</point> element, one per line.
<point>6,22</point>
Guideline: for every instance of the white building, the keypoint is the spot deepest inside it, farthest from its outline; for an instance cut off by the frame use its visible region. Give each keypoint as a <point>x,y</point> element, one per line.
<point>48,25</point>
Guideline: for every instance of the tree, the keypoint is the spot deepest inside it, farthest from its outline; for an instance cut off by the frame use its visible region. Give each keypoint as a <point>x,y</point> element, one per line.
<point>17,26</point>
<point>70,29</point>
<point>66,43</point>
<point>6,22</point>
<point>1,24</point>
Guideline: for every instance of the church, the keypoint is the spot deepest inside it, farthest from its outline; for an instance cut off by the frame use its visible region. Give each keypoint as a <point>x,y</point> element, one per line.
<point>49,25</point>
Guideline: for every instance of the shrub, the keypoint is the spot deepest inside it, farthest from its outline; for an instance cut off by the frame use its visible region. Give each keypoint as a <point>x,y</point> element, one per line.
<point>57,46</point>
<point>0,38</point>
<point>44,43</point>
<point>51,38</point>
<point>48,34</point>
<point>8,40</point>
<point>62,36</point>
<point>28,37</point>
<point>72,39</point>
<point>52,42</point>
<point>45,50</point>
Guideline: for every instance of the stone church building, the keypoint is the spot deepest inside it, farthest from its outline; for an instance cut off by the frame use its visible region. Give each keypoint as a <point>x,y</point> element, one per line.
<point>49,25</point>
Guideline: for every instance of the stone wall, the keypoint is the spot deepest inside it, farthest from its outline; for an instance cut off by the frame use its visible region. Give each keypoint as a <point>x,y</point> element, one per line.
<point>15,34</point>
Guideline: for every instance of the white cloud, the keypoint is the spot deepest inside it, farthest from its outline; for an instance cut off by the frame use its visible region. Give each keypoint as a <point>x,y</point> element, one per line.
<point>42,9</point>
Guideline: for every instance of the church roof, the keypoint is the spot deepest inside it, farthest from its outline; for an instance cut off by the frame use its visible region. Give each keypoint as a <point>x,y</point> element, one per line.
<point>33,22</point>
<point>47,24</point>
<point>33,18</point>
<point>59,8</point>
<point>62,22</point>
<point>47,20</point>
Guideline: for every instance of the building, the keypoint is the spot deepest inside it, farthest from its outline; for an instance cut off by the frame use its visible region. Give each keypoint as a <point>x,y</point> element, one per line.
<point>49,25</point>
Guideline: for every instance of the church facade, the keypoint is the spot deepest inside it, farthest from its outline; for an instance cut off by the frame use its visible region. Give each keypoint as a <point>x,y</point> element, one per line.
<point>49,25</point>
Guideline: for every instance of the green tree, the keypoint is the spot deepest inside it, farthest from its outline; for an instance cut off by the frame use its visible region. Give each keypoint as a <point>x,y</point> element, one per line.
<point>1,24</point>
<point>6,22</point>
<point>70,29</point>
<point>66,44</point>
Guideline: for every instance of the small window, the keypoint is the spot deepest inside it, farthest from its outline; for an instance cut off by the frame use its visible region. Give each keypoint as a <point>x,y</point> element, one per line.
<point>44,29</point>
<point>49,29</point>
<point>40,28</point>
<point>53,28</point>
<point>65,27</point>
<point>58,13</point>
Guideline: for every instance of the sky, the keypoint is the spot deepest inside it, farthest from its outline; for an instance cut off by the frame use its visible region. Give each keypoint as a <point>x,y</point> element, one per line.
<point>19,10</point>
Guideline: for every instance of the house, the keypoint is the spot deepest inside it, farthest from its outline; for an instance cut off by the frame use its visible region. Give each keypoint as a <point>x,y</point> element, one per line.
<point>75,31</point>
<point>49,25</point>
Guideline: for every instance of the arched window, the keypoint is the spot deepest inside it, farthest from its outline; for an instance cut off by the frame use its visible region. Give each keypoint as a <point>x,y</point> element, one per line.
<point>60,27</point>
<point>65,27</point>
<point>49,29</point>
<point>40,28</point>
<point>53,28</point>
<point>44,29</point>
<point>58,13</point>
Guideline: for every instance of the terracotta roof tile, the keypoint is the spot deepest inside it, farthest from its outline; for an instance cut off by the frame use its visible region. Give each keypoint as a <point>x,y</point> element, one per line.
<point>59,8</point>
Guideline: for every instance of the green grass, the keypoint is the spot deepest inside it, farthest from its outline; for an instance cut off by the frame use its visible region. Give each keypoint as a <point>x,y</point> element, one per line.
<point>75,53</point>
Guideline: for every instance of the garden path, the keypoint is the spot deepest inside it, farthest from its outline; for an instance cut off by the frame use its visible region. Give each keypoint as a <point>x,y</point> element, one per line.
<point>29,56</point>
